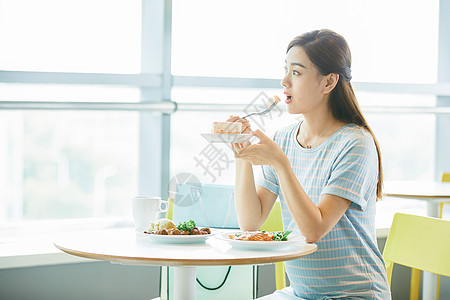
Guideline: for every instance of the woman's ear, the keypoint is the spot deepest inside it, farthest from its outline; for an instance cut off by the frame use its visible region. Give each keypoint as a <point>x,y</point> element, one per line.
<point>330,82</point>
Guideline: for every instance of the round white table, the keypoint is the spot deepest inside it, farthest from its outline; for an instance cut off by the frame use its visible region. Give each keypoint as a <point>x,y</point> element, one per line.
<point>433,192</point>
<point>128,247</point>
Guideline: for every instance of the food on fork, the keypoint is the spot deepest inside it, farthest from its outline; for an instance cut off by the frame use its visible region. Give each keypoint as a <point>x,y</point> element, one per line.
<point>227,127</point>
<point>167,227</point>
<point>272,100</point>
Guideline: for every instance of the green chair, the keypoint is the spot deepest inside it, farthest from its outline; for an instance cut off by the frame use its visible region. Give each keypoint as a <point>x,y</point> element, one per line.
<point>274,222</point>
<point>420,243</point>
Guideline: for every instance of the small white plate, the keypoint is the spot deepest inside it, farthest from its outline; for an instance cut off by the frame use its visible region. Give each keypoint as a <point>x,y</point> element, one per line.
<point>176,239</point>
<point>293,239</point>
<point>227,137</point>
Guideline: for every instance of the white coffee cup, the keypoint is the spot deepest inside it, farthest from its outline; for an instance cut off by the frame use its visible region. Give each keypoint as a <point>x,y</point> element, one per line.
<point>146,209</point>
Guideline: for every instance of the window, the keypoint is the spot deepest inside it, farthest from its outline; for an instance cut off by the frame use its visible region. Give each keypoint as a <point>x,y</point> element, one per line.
<point>249,38</point>
<point>85,36</point>
<point>67,164</point>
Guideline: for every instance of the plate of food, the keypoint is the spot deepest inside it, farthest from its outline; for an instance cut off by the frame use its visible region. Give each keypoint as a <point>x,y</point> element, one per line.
<point>226,132</point>
<point>261,240</point>
<point>165,231</point>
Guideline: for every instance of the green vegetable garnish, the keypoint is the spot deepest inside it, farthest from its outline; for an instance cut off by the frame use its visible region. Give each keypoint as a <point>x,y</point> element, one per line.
<point>281,235</point>
<point>186,226</point>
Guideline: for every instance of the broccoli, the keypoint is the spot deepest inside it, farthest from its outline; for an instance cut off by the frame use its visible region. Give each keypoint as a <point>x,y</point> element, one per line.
<point>186,226</point>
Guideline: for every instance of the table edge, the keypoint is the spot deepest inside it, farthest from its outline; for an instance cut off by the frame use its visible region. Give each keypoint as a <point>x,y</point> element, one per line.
<point>186,262</point>
<point>421,196</point>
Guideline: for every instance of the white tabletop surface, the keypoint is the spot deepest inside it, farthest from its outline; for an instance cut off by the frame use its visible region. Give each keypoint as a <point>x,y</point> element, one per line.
<point>127,247</point>
<point>423,189</point>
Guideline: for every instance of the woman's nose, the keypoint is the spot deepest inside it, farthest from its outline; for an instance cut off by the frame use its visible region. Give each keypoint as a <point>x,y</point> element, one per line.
<point>284,82</point>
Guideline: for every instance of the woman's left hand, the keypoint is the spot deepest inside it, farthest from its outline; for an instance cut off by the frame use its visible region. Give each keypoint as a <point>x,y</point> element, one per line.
<point>266,152</point>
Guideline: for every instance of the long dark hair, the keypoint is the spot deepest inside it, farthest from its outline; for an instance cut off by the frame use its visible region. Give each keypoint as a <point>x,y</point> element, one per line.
<point>330,53</point>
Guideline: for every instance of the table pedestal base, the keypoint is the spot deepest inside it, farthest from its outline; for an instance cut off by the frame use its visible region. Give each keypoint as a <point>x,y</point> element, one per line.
<point>184,283</point>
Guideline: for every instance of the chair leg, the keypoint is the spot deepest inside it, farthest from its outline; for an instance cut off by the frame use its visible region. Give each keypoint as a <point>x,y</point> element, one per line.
<point>415,284</point>
<point>438,287</point>
<point>280,276</point>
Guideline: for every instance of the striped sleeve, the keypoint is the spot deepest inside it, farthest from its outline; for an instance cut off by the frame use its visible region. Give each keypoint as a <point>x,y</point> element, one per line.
<point>268,179</point>
<point>354,175</point>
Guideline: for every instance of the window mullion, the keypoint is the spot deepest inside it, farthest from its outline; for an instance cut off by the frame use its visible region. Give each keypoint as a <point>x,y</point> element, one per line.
<point>154,130</point>
<point>142,80</point>
<point>442,142</point>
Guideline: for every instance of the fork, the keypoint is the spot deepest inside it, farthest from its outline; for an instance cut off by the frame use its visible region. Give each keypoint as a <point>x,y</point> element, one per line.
<point>267,110</point>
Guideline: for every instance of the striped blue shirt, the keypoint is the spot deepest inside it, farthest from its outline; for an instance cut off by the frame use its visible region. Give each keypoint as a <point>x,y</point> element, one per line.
<point>347,262</point>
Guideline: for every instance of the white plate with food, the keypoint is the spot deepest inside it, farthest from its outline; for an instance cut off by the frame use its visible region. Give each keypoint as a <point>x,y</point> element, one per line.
<point>165,231</point>
<point>258,240</point>
<point>227,137</point>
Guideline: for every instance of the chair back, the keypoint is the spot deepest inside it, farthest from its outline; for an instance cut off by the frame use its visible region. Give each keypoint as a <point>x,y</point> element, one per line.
<point>209,205</point>
<point>445,177</point>
<point>274,221</point>
<point>418,242</point>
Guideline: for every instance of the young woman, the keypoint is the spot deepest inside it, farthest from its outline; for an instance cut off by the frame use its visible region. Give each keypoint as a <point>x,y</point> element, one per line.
<point>326,171</point>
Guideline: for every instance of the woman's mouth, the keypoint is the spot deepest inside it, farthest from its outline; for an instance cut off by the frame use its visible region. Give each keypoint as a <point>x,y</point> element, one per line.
<point>288,99</point>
